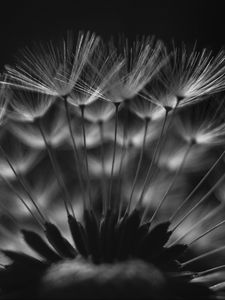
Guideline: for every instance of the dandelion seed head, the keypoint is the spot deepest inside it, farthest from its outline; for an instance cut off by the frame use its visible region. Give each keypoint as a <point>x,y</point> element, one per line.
<point>97,77</point>
<point>192,74</point>
<point>56,69</point>
<point>142,62</point>
<point>112,171</point>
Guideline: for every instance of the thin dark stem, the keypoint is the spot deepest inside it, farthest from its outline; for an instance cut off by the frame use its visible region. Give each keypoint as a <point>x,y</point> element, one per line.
<point>184,264</point>
<point>114,155</point>
<point>3,207</point>
<point>207,271</point>
<point>22,184</point>
<point>23,202</point>
<point>197,186</point>
<point>139,163</point>
<point>119,203</point>
<point>57,173</point>
<point>153,159</point>
<point>103,177</point>
<point>177,173</point>
<point>200,222</point>
<point>200,202</point>
<point>75,152</point>
<point>121,178</point>
<point>218,225</point>
<point>82,107</point>
<point>164,138</point>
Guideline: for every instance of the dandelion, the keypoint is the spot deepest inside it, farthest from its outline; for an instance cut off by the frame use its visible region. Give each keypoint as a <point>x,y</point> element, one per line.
<point>112,172</point>
<point>188,77</point>
<point>203,74</point>
<point>143,61</point>
<point>57,69</point>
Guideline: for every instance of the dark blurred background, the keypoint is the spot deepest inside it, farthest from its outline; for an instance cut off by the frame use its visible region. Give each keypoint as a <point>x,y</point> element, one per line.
<point>23,22</point>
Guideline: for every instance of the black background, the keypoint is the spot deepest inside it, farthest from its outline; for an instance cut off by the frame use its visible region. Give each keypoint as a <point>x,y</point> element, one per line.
<point>23,22</point>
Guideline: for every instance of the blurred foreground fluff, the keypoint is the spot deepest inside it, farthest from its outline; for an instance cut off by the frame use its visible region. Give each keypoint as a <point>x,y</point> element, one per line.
<point>112,167</point>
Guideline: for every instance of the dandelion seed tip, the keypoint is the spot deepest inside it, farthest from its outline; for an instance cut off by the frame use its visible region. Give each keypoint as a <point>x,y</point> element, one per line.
<point>180,98</point>
<point>192,141</point>
<point>168,108</point>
